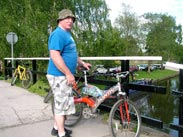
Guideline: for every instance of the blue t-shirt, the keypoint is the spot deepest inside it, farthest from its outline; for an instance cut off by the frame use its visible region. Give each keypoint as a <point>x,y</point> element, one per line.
<point>62,41</point>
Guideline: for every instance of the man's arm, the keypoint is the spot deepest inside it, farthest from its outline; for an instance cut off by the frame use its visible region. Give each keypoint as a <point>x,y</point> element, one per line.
<point>60,64</point>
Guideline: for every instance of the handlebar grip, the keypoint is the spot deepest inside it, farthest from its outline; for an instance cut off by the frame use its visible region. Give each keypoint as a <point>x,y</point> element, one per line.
<point>81,68</point>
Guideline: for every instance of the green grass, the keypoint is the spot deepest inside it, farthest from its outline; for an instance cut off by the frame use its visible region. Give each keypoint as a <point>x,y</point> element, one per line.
<point>1,78</point>
<point>39,88</point>
<point>156,74</point>
<point>105,117</point>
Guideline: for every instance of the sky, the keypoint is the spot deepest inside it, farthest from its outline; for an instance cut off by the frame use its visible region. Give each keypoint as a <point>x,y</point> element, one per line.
<point>170,7</point>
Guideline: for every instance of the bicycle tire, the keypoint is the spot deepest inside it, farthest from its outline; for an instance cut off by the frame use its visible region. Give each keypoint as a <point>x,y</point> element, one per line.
<point>14,78</point>
<point>73,119</point>
<point>26,83</point>
<point>125,129</point>
<point>48,96</point>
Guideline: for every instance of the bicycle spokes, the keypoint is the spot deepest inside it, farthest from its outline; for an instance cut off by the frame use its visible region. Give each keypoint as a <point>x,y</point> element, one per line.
<point>124,119</point>
<point>28,79</point>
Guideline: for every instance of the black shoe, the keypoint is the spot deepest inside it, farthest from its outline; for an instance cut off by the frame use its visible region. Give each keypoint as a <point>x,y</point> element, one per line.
<point>54,132</point>
<point>68,131</point>
<point>66,135</point>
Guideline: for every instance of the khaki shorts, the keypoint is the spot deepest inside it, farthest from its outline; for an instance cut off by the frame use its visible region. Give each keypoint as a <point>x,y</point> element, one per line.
<point>63,98</point>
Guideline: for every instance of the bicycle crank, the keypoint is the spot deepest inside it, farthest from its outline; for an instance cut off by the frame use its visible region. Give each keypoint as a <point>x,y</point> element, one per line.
<point>87,113</point>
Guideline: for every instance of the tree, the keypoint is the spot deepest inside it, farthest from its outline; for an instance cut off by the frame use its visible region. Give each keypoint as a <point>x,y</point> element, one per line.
<point>163,35</point>
<point>130,30</point>
<point>92,22</point>
<point>32,19</point>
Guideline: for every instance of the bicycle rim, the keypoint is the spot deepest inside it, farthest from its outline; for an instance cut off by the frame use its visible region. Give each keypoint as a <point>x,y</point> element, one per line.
<point>73,119</point>
<point>48,96</point>
<point>26,83</point>
<point>124,128</point>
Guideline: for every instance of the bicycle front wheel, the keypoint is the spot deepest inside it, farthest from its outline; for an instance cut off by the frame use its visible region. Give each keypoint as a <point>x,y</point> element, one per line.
<point>124,121</point>
<point>72,120</point>
<point>14,77</point>
<point>28,80</point>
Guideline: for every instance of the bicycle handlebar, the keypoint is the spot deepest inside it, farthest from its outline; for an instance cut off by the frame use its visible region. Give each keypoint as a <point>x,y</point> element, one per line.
<point>123,74</point>
<point>81,68</point>
<point>20,62</point>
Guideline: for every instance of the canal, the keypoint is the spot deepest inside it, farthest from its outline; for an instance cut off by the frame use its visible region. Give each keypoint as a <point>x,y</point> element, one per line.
<point>163,107</point>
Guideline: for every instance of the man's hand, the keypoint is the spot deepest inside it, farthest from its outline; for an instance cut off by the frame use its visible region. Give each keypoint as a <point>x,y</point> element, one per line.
<point>70,79</point>
<point>87,65</point>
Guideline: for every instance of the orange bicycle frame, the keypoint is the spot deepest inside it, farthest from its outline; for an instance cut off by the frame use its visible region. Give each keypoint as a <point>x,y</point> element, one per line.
<point>89,101</point>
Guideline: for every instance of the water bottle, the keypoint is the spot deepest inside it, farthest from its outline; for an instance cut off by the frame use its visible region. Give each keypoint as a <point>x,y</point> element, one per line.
<point>92,91</point>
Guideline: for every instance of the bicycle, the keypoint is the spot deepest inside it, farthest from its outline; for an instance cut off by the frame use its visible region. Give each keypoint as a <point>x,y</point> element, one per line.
<point>24,74</point>
<point>124,117</point>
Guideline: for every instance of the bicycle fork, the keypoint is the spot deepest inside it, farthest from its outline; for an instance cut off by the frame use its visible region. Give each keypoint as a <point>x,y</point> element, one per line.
<point>124,113</point>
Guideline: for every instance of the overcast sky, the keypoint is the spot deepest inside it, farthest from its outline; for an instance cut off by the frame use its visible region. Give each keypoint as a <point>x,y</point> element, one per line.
<point>171,7</point>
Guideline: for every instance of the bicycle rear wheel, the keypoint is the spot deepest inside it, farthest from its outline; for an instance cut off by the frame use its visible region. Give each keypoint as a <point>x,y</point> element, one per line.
<point>48,96</point>
<point>14,77</point>
<point>124,128</point>
<point>72,120</point>
<point>26,83</point>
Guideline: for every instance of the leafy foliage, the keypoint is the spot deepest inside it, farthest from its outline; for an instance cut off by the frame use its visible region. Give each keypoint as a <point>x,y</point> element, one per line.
<point>31,20</point>
<point>163,36</point>
<point>94,34</point>
<point>130,30</point>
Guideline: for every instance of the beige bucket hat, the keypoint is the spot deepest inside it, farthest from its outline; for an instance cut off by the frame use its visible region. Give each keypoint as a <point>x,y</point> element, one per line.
<point>64,14</point>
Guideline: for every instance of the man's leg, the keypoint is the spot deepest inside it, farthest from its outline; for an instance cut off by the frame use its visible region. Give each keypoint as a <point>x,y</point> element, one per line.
<point>63,105</point>
<point>59,119</point>
<point>54,131</point>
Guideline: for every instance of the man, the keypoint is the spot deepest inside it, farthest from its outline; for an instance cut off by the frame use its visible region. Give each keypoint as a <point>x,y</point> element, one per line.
<point>62,65</point>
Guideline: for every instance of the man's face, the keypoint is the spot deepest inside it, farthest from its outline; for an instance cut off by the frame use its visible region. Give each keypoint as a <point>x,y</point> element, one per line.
<point>67,23</point>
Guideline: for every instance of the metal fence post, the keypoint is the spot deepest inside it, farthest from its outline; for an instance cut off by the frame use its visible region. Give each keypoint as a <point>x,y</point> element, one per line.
<point>181,102</point>
<point>5,68</point>
<point>34,69</point>
<point>125,67</point>
<point>181,115</point>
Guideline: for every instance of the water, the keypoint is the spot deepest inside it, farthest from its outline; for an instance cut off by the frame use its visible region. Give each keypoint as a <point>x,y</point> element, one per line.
<point>164,107</point>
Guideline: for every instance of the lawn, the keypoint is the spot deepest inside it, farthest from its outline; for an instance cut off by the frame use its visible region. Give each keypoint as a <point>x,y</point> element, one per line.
<point>156,74</point>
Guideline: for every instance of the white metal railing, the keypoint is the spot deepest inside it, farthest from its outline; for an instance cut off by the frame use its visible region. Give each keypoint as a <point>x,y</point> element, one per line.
<point>125,60</point>
<point>99,58</point>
